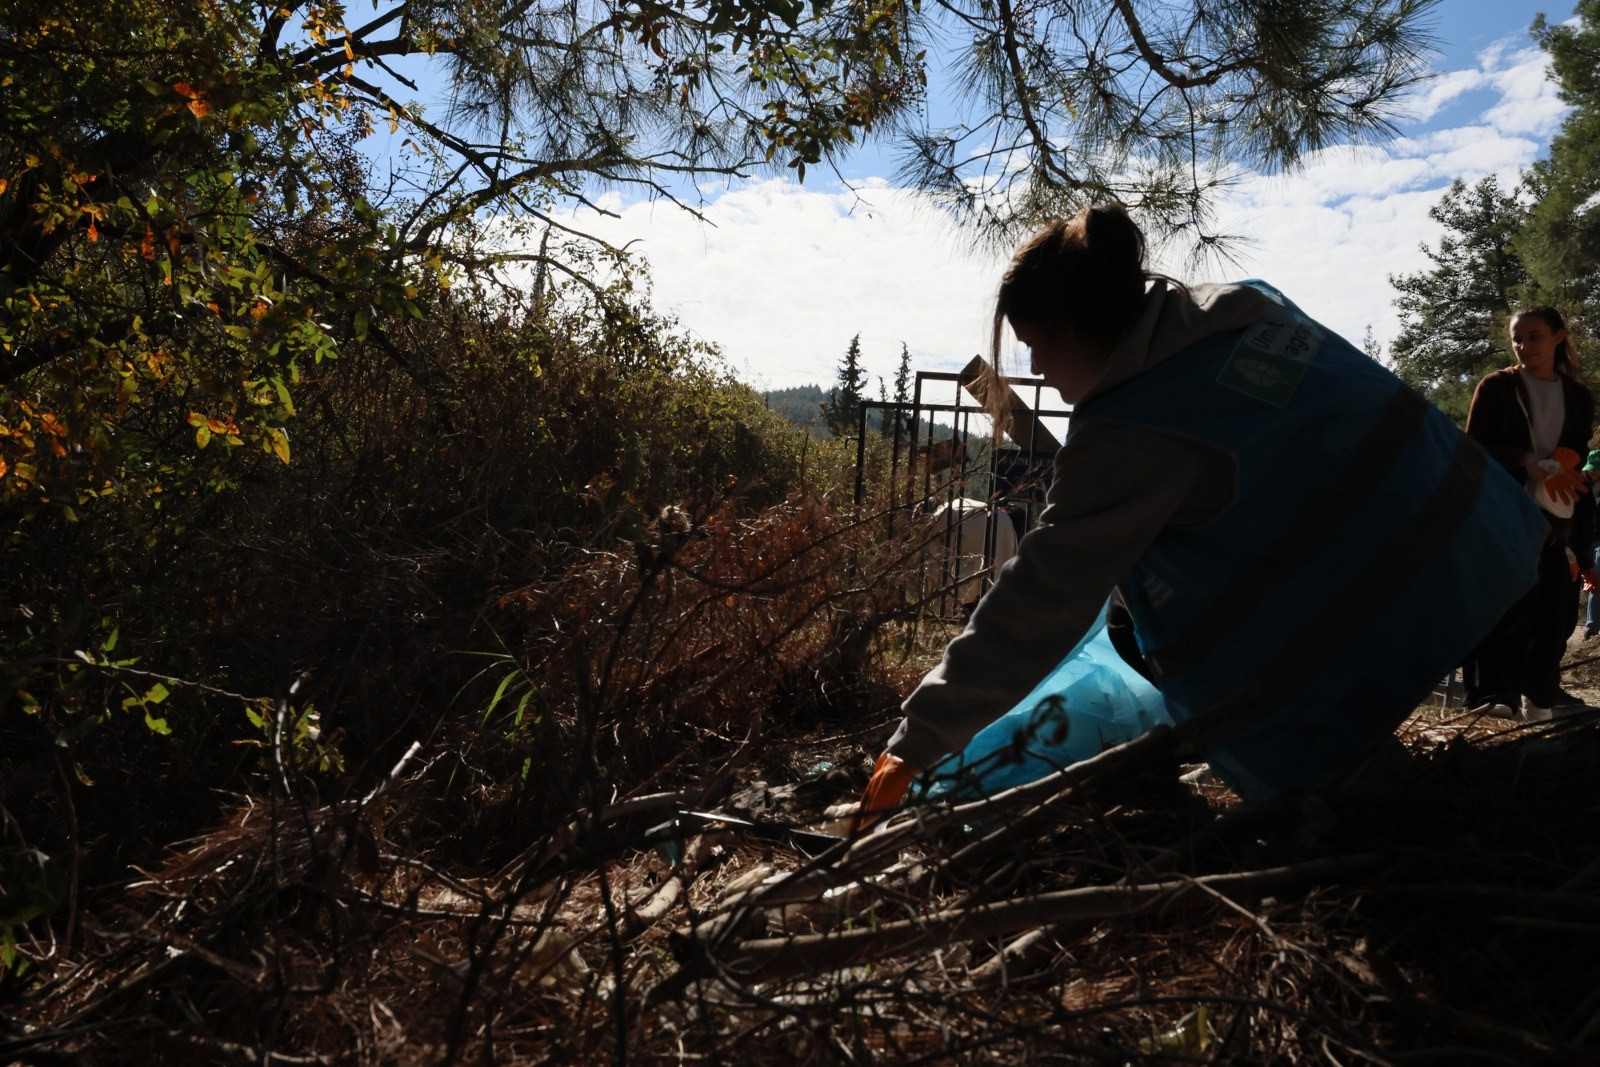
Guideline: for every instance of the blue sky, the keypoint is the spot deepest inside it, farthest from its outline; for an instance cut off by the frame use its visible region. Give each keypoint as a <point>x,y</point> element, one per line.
<point>785,274</point>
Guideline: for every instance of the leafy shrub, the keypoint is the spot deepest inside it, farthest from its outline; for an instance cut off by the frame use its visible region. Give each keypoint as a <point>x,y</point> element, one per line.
<point>475,450</point>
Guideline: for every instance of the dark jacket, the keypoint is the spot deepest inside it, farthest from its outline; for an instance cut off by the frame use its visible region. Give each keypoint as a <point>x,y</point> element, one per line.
<point>1499,420</point>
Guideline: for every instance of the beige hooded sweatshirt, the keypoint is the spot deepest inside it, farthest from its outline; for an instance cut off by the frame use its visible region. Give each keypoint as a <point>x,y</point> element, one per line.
<point>1116,488</point>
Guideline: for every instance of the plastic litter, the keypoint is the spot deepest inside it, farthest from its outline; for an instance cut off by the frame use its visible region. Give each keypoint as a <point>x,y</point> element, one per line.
<point>1091,701</point>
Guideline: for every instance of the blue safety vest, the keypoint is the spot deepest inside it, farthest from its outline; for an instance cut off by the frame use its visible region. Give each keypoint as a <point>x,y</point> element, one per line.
<point>1371,546</point>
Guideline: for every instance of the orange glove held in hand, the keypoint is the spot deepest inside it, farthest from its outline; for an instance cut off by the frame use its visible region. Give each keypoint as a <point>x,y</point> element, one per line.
<point>891,777</point>
<point>1591,581</point>
<point>1565,484</point>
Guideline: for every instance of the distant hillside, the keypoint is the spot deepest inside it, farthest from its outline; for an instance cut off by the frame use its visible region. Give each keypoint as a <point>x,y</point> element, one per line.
<point>802,405</point>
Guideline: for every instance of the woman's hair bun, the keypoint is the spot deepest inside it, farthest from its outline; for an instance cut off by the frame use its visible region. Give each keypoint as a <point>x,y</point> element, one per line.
<point>1114,238</point>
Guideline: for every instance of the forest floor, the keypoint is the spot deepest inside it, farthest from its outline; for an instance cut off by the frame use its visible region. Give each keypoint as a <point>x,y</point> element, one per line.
<point>1580,671</point>
<point>1446,911</point>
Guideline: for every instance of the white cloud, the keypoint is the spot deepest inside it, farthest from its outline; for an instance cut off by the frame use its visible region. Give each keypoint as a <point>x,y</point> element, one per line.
<point>1435,94</point>
<point>788,274</point>
<point>1528,100</point>
<point>1332,234</point>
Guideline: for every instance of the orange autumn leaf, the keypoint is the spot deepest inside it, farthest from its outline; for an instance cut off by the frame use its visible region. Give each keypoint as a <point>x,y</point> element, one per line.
<point>197,102</point>
<point>94,232</point>
<point>147,247</point>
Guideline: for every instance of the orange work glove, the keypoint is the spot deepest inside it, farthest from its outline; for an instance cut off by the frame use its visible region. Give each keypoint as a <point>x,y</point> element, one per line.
<point>1565,484</point>
<point>1591,581</point>
<point>1572,563</point>
<point>891,777</point>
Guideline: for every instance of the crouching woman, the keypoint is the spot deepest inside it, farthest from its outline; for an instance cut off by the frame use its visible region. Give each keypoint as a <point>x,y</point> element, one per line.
<point>1305,546</point>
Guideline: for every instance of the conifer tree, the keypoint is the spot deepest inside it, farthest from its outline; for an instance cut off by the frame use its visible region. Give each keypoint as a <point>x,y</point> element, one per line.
<point>1561,242</point>
<point>1452,317</point>
<point>903,418</point>
<point>842,409</point>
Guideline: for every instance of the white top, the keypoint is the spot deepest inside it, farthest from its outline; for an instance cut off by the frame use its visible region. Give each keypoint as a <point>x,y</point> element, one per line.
<point>1548,413</point>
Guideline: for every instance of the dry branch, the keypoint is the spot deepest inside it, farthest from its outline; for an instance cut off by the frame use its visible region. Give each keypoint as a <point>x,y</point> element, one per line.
<point>783,956</point>
<point>875,851</point>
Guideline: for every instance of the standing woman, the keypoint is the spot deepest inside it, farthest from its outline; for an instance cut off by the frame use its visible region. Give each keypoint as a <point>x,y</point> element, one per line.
<point>1304,545</point>
<point>1535,411</point>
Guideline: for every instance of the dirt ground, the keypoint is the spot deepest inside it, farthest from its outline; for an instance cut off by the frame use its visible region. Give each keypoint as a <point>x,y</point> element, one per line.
<point>1580,671</point>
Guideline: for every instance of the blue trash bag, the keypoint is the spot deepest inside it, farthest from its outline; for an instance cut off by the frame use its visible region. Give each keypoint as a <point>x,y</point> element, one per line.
<point>1092,701</point>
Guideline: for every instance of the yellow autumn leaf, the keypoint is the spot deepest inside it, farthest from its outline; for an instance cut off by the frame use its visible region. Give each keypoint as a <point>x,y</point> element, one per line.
<point>216,426</point>
<point>202,436</point>
<point>279,442</point>
<point>196,419</point>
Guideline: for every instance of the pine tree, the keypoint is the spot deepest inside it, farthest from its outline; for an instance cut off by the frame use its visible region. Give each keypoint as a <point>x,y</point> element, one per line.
<point>1452,317</point>
<point>1561,242</point>
<point>903,419</point>
<point>842,409</point>
<point>1371,345</point>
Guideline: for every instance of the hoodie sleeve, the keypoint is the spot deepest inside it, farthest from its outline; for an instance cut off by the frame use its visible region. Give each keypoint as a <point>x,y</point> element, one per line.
<point>1116,488</point>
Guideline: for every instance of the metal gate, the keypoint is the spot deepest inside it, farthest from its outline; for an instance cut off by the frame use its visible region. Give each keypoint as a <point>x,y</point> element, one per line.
<point>945,469</point>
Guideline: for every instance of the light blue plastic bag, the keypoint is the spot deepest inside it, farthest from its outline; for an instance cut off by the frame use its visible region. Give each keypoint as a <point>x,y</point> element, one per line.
<point>1091,701</point>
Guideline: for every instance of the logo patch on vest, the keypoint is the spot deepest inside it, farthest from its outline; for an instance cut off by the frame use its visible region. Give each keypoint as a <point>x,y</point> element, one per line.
<point>1156,591</point>
<point>1272,357</point>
